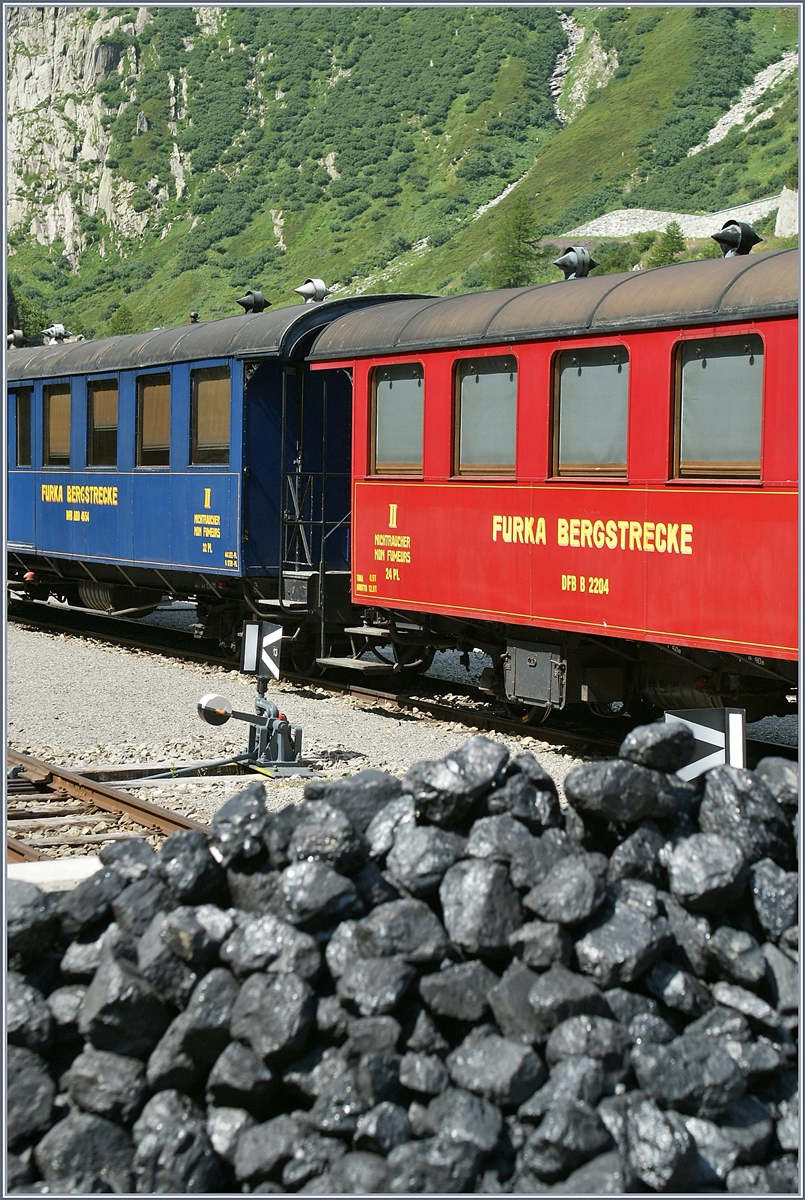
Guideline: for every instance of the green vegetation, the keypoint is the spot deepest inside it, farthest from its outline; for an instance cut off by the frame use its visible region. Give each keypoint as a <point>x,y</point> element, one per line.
<point>360,144</point>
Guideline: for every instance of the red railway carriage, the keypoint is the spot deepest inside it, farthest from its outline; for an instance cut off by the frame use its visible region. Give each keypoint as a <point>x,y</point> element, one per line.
<point>595,481</point>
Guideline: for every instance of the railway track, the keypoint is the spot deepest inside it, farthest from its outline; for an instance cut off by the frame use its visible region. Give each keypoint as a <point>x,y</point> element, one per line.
<point>475,709</point>
<point>49,808</point>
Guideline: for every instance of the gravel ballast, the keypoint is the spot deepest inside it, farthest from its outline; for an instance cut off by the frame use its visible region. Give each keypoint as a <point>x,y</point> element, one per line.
<point>337,1031</point>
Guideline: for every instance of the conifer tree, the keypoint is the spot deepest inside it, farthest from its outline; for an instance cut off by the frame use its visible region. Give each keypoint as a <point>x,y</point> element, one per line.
<point>668,246</point>
<point>515,254</point>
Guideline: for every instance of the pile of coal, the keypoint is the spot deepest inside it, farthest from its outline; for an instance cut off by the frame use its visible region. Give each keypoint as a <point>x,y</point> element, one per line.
<point>445,983</point>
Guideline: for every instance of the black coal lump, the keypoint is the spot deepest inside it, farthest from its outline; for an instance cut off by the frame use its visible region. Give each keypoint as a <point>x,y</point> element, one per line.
<point>503,1071</point>
<point>382,1128</point>
<point>338,1108</point>
<point>89,903</point>
<point>738,805</point>
<point>313,895</point>
<point>531,862</point>
<point>277,834</point>
<point>64,1004</point>
<point>617,790</point>
<point>660,1151</point>
<point>132,857</point>
<point>738,955</point>
<point>500,837</point>
<point>172,977</point>
<point>570,1080</point>
<point>439,1164</point>
<point>266,943</point>
<point>252,882</point>
<point>691,936</point>
<point>122,1011</point>
<point>565,1138</point>
<point>170,1067</point>
<point>593,1037</point>
<point>274,1014</point>
<point>694,1075</point>
<point>31,923</point>
<point>421,856</point>
<point>571,891</point>
<point>311,1158</point>
<point>375,986</point>
<point>460,991</point>
<point>678,989</point>
<point>239,1079</point>
<point>109,1085</point>
<point>361,797</point>
<point>463,1117</point>
<point>82,957</point>
<point>707,873</point>
<point>662,746</point>
<point>781,777</point>
<point>378,1077</point>
<point>625,936</point>
<point>173,1151</point>
<point>263,1150</point>
<point>559,993</point>
<point>83,1145</point>
<point>540,943</point>
<point>224,1127</point>
<point>537,805</point>
<point>638,856</point>
<point>382,829</point>
<point>238,827</point>
<point>424,1074</point>
<point>374,886</point>
<point>510,1004</point>
<point>28,1018</point>
<point>775,896</point>
<point>29,1098</point>
<point>781,976</point>
<point>324,833</point>
<point>365,1034</point>
<point>185,864</point>
<point>137,905</point>
<point>481,908</point>
<point>445,791</point>
<point>408,929</point>
<point>311,1074</point>
<point>195,933</point>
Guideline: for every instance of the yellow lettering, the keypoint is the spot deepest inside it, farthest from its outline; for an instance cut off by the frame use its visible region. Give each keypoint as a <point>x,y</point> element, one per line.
<point>207,497</point>
<point>529,530</point>
<point>497,527</point>
<point>648,535</point>
<point>561,532</point>
<point>612,535</point>
<point>586,533</point>
<point>659,538</point>
<point>635,535</point>
<point>598,534</point>
<point>575,524</point>
<point>623,526</point>
<point>392,516</point>
<point>672,542</point>
<point>540,538</point>
<point>507,529</point>
<point>517,529</point>
<point>685,539</point>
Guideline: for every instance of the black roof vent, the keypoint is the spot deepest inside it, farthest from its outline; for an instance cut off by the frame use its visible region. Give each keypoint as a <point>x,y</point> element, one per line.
<point>254,302</point>
<point>576,262</point>
<point>736,237</point>
<point>313,291</point>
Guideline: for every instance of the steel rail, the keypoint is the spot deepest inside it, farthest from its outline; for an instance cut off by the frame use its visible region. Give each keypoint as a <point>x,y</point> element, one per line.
<point>151,816</point>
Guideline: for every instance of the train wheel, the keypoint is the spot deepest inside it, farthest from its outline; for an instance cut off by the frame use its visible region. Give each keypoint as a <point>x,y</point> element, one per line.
<point>529,714</point>
<point>607,709</point>
<point>413,660</point>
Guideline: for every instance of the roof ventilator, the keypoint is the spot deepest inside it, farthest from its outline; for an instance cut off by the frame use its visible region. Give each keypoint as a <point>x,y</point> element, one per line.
<point>56,334</point>
<point>253,302</point>
<point>576,262</point>
<point>736,237</point>
<point>313,291</point>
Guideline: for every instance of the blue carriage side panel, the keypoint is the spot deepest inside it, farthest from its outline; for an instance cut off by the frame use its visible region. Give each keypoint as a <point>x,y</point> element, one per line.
<point>22,483</point>
<point>262,464</point>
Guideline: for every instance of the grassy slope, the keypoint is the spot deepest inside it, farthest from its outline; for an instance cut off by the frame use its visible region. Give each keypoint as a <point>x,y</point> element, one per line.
<point>597,150</point>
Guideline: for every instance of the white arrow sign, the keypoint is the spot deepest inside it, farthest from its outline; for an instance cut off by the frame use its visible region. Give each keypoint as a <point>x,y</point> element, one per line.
<point>271,651</point>
<point>720,735</point>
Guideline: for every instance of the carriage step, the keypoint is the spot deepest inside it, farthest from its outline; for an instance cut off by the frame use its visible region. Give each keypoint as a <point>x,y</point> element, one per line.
<point>365,666</point>
<point>369,631</point>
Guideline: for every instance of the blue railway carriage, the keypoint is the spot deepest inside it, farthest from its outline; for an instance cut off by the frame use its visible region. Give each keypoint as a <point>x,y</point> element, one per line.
<point>205,461</point>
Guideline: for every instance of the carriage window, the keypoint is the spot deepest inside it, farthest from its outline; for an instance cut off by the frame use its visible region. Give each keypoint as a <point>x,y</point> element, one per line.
<point>209,419</point>
<point>57,425</point>
<point>486,416</point>
<point>153,421</point>
<point>719,407</point>
<point>23,427</point>
<point>102,423</point>
<point>397,419</point>
<point>591,402</point>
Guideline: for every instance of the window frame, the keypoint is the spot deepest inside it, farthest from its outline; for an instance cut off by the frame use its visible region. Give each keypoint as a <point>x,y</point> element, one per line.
<point>18,391</point>
<point>196,370</point>
<point>616,471</point>
<point>723,471</point>
<point>47,388</point>
<point>481,470</point>
<point>140,380</point>
<point>416,469</point>
<point>91,384</point>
